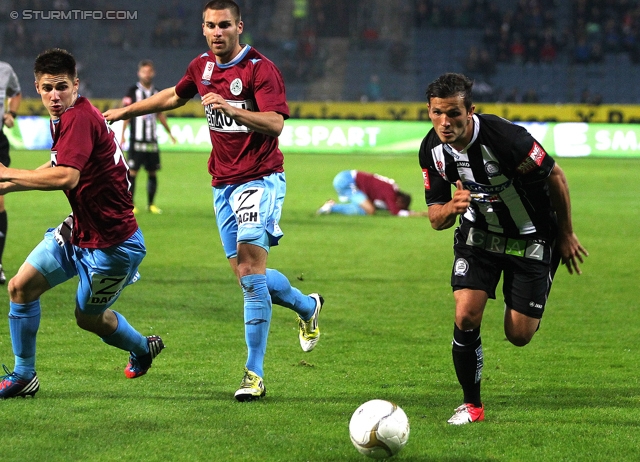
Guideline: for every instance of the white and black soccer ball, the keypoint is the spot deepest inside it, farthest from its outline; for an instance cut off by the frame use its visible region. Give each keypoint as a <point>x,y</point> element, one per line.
<point>379,429</point>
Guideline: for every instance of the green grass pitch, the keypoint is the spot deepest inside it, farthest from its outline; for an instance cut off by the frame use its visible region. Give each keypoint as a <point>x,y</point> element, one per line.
<point>571,395</point>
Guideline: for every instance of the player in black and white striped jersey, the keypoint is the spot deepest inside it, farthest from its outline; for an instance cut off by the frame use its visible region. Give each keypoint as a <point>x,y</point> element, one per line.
<point>515,220</point>
<point>10,97</point>
<point>143,139</point>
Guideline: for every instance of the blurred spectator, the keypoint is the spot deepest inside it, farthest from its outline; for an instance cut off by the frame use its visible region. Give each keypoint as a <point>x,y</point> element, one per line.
<point>581,50</point>
<point>512,96</point>
<point>374,89</point>
<point>398,56</point>
<point>530,96</point>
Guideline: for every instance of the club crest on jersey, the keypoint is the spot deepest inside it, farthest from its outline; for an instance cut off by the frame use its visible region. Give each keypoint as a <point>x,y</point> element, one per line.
<point>236,87</point>
<point>492,169</point>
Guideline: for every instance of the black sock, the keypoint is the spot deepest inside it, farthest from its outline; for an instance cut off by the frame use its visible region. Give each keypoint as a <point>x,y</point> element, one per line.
<point>152,186</point>
<point>468,362</point>
<point>3,232</point>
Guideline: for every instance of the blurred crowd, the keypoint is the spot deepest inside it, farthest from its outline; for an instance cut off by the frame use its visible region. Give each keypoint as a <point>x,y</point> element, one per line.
<point>521,32</point>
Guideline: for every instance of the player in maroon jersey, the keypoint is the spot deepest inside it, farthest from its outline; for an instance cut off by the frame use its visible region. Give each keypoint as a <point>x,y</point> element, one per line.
<point>100,242</point>
<point>363,193</point>
<point>244,100</point>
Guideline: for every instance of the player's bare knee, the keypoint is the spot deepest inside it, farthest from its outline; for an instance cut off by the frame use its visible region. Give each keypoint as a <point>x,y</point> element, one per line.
<point>519,339</point>
<point>17,290</point>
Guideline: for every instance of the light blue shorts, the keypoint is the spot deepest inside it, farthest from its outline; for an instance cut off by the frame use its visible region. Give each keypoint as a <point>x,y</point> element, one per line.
<point>250,212</point>
<point>103,272</point>
<point>345,185</point>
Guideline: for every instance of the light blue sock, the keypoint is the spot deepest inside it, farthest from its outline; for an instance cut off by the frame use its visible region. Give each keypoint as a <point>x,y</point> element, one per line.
<point>348,209</point>
<point>24,321</point>
<point>257,318</point>
<point>284,294</point>
<point>127,338</point>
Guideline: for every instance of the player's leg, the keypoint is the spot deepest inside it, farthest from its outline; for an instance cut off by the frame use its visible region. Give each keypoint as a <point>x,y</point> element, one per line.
<point>526,287</point>
<point>48,265</point>
<point>252,280</point>
<point>349,195</point>
<point>467,354</point>
<point>133,160</point>
<point>474,278</point>
<point>103,274</point>
<point>6,161</point>
<point>152,165</point>
<point>3,237</point>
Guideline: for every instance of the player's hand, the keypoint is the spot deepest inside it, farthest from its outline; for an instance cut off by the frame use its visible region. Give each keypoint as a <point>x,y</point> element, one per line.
<point>219,103</point>
<point>461,199</point>
<point>571,252</point>
<point>112,115</point>
<point>8,120</point>
<point>173,139</point>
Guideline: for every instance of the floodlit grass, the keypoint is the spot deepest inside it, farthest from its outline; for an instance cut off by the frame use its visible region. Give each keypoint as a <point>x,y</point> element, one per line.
<point>571,395</point>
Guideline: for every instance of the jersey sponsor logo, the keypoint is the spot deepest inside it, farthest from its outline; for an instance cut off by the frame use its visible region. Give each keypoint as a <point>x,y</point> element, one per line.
<point>218,121</point>
<point>246,205</point>
<point>208,70</point>
<point>533,160</point>
<point>485,188</point>
<point>425,175</point>
<point>533,249</point>
<point>236,87</point>
<point>463,164</point>
<point>105,288</point>
<point>460,267</point>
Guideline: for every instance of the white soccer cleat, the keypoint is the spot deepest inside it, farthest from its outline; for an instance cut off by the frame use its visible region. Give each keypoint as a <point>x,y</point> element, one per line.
<point>467,413</point>
<point>326,207</point>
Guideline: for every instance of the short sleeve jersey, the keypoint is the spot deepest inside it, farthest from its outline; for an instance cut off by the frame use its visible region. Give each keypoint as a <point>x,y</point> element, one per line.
<point>250,81</point>
<point>505,169</point>
<point>379,189</point>
<point>101,201</point>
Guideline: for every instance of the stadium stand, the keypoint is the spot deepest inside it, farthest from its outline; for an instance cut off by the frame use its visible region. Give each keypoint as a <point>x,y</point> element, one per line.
<point>563,50</point>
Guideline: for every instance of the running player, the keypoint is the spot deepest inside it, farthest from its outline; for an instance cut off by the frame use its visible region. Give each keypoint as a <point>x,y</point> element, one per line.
<point>100,242</point>
<point>515,220</point>
<point>244,100</point>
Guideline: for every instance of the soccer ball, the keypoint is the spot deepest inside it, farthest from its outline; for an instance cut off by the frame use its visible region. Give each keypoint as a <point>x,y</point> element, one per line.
<point>379,429</point>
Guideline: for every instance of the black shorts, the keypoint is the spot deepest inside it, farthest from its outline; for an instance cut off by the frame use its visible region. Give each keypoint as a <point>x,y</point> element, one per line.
<point>4,149</point>
<point>150,160</point>
<point>528,264</point>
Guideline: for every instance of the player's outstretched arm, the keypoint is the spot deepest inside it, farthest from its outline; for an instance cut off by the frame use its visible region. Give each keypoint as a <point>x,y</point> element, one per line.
<point>43,179</point>
<point>164,100</point>
<point>571,251</point>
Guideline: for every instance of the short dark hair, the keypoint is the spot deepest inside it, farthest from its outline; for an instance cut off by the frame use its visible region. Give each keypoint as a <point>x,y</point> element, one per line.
<point>55,61</point>
<point>403,199</point>
<point>223,5</point>
<point>451,84</point>
<point>145,62</point>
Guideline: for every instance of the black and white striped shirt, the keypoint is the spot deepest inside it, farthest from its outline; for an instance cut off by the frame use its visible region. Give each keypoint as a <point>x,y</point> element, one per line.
<point>143,136</point>
<point>505,169</point>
